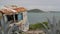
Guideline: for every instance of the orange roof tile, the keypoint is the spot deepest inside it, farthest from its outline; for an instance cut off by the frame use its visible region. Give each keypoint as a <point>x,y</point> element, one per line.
<point>20,9</point>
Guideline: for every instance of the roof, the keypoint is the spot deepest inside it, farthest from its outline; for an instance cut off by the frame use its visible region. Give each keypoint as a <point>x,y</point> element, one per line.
<point>8,10</point>
<point>20,9</point>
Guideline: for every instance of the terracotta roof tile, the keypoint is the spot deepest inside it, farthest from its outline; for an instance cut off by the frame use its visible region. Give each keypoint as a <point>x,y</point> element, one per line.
<point>20,9</point>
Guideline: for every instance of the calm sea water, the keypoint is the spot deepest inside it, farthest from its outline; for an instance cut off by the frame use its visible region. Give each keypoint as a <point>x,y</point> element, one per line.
<point>42,17</point>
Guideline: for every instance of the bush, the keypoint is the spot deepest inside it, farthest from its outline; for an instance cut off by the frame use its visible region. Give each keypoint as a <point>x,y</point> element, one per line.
<point>37,26</point>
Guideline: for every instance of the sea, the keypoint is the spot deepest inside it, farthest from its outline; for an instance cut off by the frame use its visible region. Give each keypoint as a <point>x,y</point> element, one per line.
<point>42,17</point>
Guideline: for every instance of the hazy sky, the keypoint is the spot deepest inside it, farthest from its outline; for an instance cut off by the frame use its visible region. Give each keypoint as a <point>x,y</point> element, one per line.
<point>45,5</point>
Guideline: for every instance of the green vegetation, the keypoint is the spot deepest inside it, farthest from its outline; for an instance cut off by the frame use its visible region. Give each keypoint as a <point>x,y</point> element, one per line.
<point>37,26</point>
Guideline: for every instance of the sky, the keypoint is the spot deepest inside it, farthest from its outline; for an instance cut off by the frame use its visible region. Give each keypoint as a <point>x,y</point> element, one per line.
<point>46,5</point>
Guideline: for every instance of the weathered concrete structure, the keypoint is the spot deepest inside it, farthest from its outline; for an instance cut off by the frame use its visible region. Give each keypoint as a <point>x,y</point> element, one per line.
<point>13,26</point>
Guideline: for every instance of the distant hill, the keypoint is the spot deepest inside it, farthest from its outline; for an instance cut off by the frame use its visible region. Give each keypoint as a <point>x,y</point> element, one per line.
<point>54,11</point>
<point>35,10</point>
